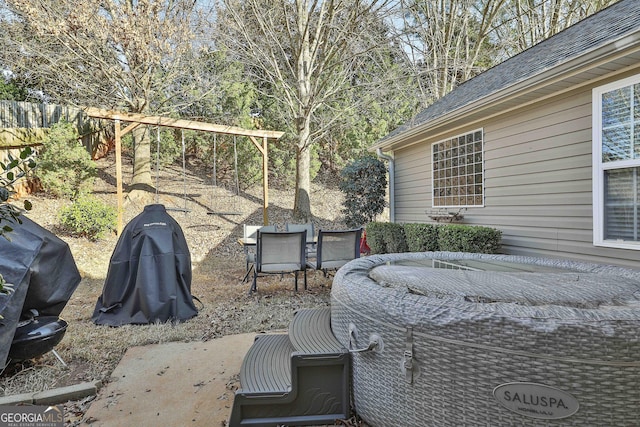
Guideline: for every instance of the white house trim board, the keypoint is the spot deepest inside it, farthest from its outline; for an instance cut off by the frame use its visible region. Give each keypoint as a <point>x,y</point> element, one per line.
<point>599,167</point>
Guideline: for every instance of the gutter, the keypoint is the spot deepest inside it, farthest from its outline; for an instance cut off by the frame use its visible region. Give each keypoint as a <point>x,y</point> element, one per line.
<point>392,195</point>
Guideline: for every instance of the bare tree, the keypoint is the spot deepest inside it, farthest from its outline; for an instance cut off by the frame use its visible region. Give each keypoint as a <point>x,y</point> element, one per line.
<point>528,22</point>
<point>303,53</point>
<point>136,55</point>
<point>446,41</point>
<point>450,41</point>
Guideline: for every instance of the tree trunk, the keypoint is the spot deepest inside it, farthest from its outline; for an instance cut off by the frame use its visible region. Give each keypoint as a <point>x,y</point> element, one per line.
<point>304,61</point>
<point>142,188</point>
<point>302,202</point>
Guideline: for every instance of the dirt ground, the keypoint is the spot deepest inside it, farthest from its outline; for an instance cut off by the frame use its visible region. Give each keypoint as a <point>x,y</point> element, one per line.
<point>91,352</point>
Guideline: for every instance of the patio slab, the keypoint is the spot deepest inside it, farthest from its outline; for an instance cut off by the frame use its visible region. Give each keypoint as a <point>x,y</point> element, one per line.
<point>173,384</point>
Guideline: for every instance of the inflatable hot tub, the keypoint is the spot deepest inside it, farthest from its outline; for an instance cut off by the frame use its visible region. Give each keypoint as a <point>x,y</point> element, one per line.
<point>458,339</point>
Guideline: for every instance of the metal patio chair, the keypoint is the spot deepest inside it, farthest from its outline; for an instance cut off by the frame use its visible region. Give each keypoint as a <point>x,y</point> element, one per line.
<point>248,242</point>
<point>335,248</point>
<point>311,236</point>
<point>279,253</point>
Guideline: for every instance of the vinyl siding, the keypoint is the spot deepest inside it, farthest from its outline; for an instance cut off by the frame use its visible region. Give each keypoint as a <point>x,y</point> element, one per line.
<point>537,181</point>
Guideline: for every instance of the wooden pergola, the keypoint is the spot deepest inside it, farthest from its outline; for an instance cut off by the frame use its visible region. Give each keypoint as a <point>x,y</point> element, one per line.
<point>258,137</point>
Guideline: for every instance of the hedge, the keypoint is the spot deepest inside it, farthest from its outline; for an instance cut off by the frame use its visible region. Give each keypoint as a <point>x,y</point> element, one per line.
<point>385,237</point>
<point>467,238</point>
<point>421,237</point>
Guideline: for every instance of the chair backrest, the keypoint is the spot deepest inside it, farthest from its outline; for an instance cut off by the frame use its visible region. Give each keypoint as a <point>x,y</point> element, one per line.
<point>249,232</point>
<point>308,228</point>
<point>283,251</point>
<point>337,247</point>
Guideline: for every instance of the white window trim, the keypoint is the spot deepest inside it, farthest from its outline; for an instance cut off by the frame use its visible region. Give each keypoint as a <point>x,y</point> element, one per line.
<point>598,167</point>
<point>483,172</point>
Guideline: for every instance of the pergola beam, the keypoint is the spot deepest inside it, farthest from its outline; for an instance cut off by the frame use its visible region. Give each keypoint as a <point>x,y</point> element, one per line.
<point>137,119</point>
<point>181,123</point>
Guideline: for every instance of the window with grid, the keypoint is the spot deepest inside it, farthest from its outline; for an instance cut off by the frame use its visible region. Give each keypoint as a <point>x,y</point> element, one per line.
<point>458,173</point>
<point>616,165</point>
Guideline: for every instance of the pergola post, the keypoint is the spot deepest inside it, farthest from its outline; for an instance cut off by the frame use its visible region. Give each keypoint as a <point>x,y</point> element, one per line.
<point>119,175</point>
<point>265,182</point>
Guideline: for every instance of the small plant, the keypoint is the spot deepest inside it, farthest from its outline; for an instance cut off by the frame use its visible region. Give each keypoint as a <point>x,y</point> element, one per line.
<point>88,217</point>
<point>364,183</point>
<point>5,288</point>
<point>65,167</point>
<point>12,171</point>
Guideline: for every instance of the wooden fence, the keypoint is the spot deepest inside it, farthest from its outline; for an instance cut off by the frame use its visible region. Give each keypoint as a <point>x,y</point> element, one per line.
<point>20,114</point>
<point>27,123</point>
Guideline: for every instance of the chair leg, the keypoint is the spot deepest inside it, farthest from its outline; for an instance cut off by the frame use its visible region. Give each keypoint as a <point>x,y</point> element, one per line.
<point>246,276</point>
<point>305,279</point>
<point>254,283</point>
<point>295,274</point>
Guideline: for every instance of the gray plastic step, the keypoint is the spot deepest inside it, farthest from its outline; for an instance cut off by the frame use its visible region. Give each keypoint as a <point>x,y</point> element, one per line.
<point>267,365</point>
<point>299,378</point>
<point>310,332</point>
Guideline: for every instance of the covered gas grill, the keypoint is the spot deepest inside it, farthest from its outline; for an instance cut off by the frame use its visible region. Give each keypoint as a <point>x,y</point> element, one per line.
<point>44,274</point>
<point>149,276</point>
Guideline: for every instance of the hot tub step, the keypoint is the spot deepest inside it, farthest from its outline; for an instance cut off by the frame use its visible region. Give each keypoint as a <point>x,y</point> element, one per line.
<point>297,379</point>
<point>267,368</point>
<point>310,332</point>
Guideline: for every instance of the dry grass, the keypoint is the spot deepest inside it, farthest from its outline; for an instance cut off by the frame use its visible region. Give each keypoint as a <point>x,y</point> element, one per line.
<point>92,352</point>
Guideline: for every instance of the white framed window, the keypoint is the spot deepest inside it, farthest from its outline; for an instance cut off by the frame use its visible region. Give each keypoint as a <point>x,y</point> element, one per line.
<point>616,164</point>
<point>458,171</point>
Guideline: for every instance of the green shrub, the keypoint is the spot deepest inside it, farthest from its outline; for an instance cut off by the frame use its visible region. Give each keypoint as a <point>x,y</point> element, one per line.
<point>65,167</point>
<point>89,217</point>
<point>375,239</point>
<point>394,239</point>
<point>386,237</point>
<point>364,184</point>
<point>466,238</point>
<point>421,237</point>
<point>14,169</point>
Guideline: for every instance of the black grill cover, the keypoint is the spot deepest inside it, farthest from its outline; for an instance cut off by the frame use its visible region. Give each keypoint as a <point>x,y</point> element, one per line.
<point>42,269</point>
<point>149,276</point>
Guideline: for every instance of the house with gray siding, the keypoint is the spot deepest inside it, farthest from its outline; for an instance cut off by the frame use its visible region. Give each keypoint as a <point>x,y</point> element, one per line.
<point>544,147</point>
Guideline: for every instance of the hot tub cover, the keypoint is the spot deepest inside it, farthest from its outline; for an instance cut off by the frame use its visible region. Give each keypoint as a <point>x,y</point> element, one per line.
<point>44,273</point>
<point>149,276</point>
<point>463,346</point>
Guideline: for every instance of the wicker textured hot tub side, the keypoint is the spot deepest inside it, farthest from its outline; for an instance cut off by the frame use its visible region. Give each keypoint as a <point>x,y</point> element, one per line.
<point>462,348</point>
